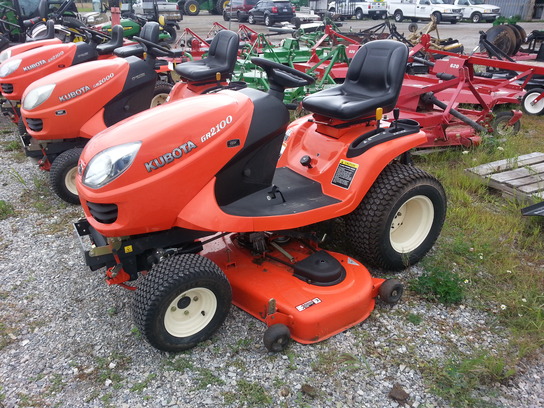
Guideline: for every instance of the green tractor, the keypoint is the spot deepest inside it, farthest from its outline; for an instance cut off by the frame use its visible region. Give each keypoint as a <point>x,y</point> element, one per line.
<point>19,18</point>
<point>193,7</point>
<point>133,18</point>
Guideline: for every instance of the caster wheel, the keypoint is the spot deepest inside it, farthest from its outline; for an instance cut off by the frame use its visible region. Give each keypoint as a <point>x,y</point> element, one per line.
<point>277,337</point>
<point>391,291</point>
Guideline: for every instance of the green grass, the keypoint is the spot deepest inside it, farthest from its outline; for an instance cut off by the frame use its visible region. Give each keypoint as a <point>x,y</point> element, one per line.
<point>488,256</point>
<point>248,394</point>
<point>6,210</point>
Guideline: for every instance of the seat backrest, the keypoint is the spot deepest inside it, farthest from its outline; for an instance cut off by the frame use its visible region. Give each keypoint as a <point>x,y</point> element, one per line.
<point>150,32</point>
<point>377,70</point>
<point>115,42</point>
<point>221,59</point>
<point>224,49</point>
<point>48,34</point>
<point>374,80</point>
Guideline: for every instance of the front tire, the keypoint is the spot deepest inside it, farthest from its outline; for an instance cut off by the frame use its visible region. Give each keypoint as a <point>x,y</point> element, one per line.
<point>251,19</point>
<point>476,17</point>
<point>63,175</point>
<point>181,302</point>
<point>438,17</point>
<point>527,102</point>
<point>268,21</point>
<point>399,219</point>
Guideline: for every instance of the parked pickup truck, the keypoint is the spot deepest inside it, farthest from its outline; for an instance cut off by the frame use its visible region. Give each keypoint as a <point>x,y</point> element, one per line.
<point>423,10</point>
<point>478,10</point>
<point>358,9</point>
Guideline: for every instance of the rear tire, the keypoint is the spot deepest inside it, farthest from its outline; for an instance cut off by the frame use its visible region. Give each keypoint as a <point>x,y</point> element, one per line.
<point>181,302</point>
<point>359,14</point>
<point>63,175</point>
<point>220,6</point>
<point>225,16</point>
<point>528,98</point>
<point>268,21</point>
<point>192,8</point>
<point>172,32</point>
<point>251,19</point>
<point>398,16</point>
<point>399,219</point>
<point>160,93</point>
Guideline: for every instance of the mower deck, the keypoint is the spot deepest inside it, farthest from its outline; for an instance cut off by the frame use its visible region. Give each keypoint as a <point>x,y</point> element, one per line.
<point>267,287</point>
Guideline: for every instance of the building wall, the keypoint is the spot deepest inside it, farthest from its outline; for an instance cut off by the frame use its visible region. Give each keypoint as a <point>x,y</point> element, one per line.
<point>511,8</point>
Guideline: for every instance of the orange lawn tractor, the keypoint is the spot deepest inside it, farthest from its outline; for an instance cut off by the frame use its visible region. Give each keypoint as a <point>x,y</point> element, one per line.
<point>64,110</point>
<point>205,197</point>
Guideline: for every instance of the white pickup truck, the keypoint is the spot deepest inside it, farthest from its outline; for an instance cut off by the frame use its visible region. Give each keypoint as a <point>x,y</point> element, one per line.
<point>423,10</point>
<point>478,10</point>
<point>358,9</point>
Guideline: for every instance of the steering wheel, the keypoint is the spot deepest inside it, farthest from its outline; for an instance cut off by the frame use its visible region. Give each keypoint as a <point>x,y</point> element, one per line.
<point>282,75</point>
<point>95,36</point>
<point>151,45</point>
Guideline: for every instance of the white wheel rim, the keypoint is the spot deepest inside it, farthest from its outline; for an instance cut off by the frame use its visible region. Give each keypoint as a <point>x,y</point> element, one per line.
<point>70,181</point>
<point>411,224</point>
<point>158,100</point>
<point>528,104</point>
<point>190,312</point>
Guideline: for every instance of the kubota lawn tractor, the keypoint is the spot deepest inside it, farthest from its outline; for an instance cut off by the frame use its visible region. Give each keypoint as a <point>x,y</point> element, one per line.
<point>64,110</point>
<point>19,71</point>
<point>199,198</point>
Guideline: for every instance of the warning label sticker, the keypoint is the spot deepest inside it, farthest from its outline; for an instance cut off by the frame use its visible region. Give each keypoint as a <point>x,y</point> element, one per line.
<point>345,172</point>
<point>308,304</point>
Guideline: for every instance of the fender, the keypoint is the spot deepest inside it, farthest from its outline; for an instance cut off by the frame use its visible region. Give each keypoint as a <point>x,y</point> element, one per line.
<point>329,156</point>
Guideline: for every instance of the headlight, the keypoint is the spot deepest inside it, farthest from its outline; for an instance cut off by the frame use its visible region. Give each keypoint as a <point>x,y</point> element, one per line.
<point>4,55</point>
<point>487,11</point>
<point>8,67</point>
<point>447,11</point>
<point>37,96</point>
<point>109,164</point>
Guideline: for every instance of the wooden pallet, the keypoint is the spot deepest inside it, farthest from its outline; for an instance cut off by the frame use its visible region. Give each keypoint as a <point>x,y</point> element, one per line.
<point>521,177</point>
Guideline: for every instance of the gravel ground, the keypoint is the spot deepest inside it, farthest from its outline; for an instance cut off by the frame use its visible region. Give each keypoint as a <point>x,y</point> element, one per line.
<point>67,339</point>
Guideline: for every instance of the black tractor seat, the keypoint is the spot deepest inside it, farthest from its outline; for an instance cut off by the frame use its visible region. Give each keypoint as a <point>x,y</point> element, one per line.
<point>373,80</point>
<point>48,34</point>
<point>115,42</point>
<point>221,59</point>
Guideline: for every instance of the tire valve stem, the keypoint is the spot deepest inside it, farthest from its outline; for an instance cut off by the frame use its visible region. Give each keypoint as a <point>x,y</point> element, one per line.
<point>195,299</point>
<point>203,313</point>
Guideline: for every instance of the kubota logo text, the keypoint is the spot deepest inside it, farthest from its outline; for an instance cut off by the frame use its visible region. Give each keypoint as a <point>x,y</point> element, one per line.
<point>73,94</point>
<point>169,157</point>
<point>35,65</point>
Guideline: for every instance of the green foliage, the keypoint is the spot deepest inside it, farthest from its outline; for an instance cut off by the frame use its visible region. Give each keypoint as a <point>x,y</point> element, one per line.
<point>6,210</point>
<point>439,285</point>
<point>248,394</point>
<point>414,318</point>
<point>141,385</point>
<point>461,376</point>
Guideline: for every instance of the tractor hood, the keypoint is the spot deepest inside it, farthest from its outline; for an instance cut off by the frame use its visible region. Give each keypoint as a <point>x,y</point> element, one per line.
<point>173,159</point>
